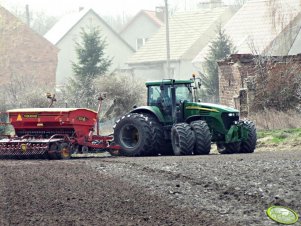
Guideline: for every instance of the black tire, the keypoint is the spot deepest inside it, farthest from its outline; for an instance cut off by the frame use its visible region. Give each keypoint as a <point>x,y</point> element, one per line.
<point>249,145</point>
<point>229,148</point>
<point>161,146</point>
<point>134,134</point>
<point>202,135</point>
<point>157,133</point>
<point>64,151</point>
<point>182,139</point>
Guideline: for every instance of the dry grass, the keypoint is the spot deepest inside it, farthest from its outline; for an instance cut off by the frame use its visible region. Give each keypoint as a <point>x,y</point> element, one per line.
<point>271,120</point>
<point>265,120</point>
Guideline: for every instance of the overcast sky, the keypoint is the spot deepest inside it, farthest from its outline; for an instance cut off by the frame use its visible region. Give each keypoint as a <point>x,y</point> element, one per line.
<point>104,7</point>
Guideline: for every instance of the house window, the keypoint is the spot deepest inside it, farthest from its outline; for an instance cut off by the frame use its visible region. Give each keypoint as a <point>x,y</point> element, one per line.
<point>140,42</point>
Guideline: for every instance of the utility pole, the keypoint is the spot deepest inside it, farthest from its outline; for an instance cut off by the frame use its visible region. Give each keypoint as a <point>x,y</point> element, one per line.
<point>167,40</point>
<point>27,15</point>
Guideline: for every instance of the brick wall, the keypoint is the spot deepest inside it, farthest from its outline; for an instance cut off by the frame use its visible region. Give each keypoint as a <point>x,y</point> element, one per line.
<point>229,83</point>
<point>25,53</point>
<point>239,77</point>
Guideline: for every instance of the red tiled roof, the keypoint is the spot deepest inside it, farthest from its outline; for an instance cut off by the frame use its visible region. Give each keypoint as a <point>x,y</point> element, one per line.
<point>150,14</point>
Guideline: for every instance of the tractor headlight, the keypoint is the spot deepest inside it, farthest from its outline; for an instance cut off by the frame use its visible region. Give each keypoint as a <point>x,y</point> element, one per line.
<point>233,114</point>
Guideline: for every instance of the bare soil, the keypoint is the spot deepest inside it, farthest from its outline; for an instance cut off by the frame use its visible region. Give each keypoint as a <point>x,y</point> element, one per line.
<point>192,190</point>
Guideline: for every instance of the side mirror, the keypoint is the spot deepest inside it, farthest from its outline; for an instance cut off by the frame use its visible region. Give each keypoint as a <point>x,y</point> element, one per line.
<point>135,106</point>
<point>161,87</point>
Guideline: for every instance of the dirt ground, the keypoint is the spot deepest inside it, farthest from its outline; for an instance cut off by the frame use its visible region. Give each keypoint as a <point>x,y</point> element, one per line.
<point>192,190</point>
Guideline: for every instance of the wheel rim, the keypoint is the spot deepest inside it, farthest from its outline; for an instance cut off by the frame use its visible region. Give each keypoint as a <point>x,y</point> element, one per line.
<point>85,149</point>
<point>65,152</point>
<point>129,136</point>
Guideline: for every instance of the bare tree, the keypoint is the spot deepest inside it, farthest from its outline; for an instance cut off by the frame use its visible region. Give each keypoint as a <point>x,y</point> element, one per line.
<point>274,83</point>
<point>278,89</point>
<point>125,90</point>
<point>21,92</point>
<point>39,21</point>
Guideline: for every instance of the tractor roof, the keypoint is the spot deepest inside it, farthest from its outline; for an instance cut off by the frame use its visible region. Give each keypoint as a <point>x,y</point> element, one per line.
<point>168,82</point>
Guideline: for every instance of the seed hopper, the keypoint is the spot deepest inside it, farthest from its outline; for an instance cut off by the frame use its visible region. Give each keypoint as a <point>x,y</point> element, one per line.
<point>54,133</point>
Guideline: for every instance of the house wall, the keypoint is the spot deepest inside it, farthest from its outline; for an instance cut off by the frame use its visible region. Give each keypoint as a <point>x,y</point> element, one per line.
<point>156,71</point>
<point>229,84</point>
<point>183,69</point>
<point>115,49</point>
<point>146,72</point>
<point>141,27</point>
<point>24,53</point>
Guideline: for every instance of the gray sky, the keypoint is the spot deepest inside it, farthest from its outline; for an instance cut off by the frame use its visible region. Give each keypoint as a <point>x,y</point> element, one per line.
<point>104,7</point>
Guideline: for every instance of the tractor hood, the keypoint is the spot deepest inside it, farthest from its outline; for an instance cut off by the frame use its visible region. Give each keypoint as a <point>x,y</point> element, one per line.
<point>211,107</point>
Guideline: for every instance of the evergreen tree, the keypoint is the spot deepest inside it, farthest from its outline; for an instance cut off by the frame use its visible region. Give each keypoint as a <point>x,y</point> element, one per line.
<point>92,63</point>
<point>219,49</point>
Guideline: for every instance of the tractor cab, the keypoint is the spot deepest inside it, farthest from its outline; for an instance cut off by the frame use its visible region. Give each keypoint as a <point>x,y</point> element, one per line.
<point>169,95</point>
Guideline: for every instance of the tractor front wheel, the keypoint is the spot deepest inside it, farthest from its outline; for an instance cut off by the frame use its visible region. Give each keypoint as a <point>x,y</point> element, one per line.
<point>249,145</point>
<point>182,139</point>
<point>133,133</point>
<point>202,137</point>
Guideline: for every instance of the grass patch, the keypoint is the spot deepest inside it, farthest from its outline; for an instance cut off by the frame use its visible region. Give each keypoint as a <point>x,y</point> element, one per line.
<point>282,136</point>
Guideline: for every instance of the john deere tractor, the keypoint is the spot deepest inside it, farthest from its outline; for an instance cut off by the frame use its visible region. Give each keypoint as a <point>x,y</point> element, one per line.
<point>174,123</point>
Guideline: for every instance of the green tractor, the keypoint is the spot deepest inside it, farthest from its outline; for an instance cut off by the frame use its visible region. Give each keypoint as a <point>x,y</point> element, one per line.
<point>174,123</point>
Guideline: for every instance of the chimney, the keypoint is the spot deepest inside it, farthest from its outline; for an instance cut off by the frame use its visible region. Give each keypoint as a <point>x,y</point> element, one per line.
<point>160,13</point>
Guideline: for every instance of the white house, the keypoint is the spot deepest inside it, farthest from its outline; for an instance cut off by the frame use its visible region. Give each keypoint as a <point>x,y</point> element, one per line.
<point>66,33</point>
<point>144,25</point>
<point>263,27</point>
<point>189,32</point>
